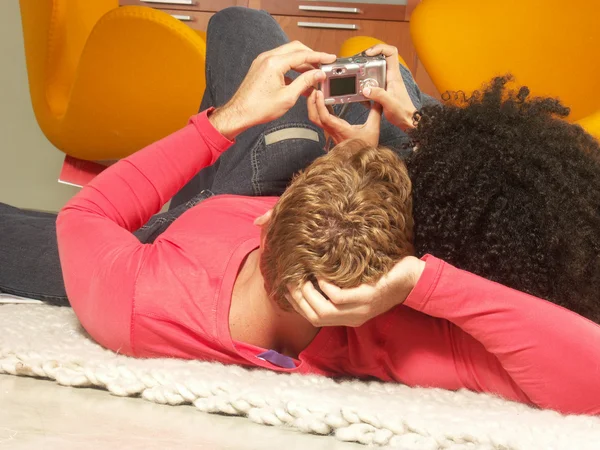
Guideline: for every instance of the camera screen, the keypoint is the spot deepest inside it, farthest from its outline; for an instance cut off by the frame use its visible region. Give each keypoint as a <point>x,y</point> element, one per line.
<point>342,86</point>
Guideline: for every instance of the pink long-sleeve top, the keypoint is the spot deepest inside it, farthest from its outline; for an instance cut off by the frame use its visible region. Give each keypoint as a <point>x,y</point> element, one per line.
<point>172,298</point>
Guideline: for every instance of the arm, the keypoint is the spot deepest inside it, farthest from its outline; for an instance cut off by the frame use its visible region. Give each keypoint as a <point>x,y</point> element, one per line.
<point>100,258</point>
<point>128,193</point>
<point>552,354</point>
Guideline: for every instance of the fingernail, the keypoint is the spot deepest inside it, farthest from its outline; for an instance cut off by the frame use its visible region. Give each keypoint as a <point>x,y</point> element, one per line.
<point>367,91</point>
<point>320,75</point>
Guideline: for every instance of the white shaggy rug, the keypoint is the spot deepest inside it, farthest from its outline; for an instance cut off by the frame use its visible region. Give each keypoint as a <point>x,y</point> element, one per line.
<point>45,341</point>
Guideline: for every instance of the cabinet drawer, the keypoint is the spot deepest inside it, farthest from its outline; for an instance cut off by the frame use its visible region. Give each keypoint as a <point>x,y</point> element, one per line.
<point>194,19</point>
<point>327,35</point>
<point>339,10</point>
<point>188,5</point>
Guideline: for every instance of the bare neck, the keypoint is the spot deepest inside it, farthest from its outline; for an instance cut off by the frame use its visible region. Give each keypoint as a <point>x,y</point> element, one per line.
<point>255,319</point>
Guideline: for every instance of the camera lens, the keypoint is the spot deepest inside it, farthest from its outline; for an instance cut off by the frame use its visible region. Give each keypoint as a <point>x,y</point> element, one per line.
<point>338,71</point>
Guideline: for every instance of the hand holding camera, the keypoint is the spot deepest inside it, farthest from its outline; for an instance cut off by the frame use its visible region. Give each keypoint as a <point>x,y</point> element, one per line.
<point>347,78</point>
<point>398,108</point>
<point>340,130</point>
<point>264,94</point>
<point>344,83</point>
<point>372,75</point>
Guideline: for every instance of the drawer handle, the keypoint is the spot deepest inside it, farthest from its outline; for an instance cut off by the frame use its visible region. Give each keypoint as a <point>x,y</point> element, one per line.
<point>182,17</point>
<point>331,9</point>
<point>335,26</point>
<point>170,2</point>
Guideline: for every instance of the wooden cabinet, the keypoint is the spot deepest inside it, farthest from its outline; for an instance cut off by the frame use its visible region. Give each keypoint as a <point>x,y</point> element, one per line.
<point>325,25</point>
<point>338,10</point>
<point>187,5</point>
<point>198,20</point>
<point>322,25</point>
<point>195,14</point>
<point>327,35</point>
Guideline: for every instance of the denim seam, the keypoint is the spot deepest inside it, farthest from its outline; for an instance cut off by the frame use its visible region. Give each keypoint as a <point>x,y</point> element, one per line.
<point>159,220</point>
<point>203,195</point>
<point>209,84</point>
<point>256,166</point>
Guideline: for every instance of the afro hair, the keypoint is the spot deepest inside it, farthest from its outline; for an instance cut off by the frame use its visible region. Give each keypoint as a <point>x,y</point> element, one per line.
<point>505,188</point>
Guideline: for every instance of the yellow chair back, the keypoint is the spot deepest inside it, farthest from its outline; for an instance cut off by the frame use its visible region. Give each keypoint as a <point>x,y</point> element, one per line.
<point>106,81</point>
<point>551,46</point>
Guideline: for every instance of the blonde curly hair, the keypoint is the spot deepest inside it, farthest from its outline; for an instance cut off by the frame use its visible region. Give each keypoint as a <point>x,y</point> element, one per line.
<point>346,219</point>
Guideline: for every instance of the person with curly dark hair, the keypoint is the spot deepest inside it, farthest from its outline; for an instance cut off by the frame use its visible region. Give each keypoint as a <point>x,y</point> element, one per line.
<point>505,188</point>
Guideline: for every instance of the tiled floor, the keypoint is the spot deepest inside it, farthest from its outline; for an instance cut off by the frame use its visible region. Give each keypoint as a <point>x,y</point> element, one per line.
<point>39,414</point>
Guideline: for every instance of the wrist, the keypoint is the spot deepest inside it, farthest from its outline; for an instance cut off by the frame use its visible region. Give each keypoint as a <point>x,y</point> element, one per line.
<point>407,119</point>
<point>418,267</point>
<point>405,276</point>
<point>228,121</point>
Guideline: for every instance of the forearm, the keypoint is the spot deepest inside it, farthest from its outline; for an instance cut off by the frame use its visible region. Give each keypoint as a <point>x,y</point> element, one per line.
<point>131,191</point>
<point>417,97</point>
<point>552,354</point>
<point>409,108</point>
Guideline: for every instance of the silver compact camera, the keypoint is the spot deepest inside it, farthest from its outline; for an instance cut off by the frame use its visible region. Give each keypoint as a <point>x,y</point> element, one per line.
<point>347,77</point>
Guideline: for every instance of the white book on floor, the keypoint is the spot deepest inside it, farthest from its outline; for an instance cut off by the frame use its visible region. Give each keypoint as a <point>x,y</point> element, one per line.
<point>9,298</point>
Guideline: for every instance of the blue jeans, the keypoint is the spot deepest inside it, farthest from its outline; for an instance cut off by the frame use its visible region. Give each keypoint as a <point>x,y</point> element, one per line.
<point>253,166</point>
<point>261,162</point>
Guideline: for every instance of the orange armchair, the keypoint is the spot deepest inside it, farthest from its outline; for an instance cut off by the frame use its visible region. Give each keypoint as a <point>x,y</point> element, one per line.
<point>106,81</point>
<point>551,46</point>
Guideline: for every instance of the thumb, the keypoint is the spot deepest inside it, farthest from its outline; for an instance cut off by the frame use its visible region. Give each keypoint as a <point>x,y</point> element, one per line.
<point>381,96</point>
<point>305,81</point>
<point>347,296</point>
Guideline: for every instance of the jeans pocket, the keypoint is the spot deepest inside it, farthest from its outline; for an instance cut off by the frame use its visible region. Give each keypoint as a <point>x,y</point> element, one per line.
<point>160,222</point>
<point>280,153</point>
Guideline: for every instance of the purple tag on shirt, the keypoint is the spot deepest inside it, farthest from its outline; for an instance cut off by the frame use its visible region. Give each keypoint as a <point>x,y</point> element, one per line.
<point>278,359</point>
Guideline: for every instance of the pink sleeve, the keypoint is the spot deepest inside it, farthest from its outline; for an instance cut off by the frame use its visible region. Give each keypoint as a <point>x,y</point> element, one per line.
<point>552,354</point>
<point>99,255</point>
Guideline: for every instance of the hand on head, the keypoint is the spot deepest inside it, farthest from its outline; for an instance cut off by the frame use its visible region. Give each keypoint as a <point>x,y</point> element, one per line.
<point>264,94</point>
<point>355,306</point>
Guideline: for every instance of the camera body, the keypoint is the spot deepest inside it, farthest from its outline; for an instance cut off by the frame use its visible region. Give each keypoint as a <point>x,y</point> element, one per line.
<point>347,77</point>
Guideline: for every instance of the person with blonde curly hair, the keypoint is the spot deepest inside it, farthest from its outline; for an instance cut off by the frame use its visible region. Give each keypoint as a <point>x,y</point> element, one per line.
<point>347,218</point>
